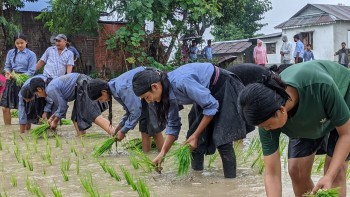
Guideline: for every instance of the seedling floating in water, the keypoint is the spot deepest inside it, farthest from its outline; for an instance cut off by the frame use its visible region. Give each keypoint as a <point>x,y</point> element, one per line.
<point>334,192</point>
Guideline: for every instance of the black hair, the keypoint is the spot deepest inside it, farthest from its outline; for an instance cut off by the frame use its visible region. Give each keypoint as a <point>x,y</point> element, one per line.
<point>142,82</point>
<point>94,88</point>
<point>308,45</point>
<point>280,68</point>
<point>343,43</point>
<point>26,92</point>
<point>259,101</point>
<point>18,36</point>
<point>36,83</point>
<point>296,36</point>
<point>250,73</point>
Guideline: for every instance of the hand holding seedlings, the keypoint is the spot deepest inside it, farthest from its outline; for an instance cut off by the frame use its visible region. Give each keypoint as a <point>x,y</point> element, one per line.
<point>159,159</point>
<point>324,183</point>
<point>193,142</point>
<point>120,136</point>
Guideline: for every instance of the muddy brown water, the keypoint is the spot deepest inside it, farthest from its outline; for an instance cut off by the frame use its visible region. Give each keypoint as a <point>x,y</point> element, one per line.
<point>210,182</point>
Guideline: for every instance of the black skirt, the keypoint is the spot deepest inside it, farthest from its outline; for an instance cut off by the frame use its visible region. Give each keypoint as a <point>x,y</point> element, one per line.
<point>10,95</point>
<point>149,121</point>
<point>35,109</point>
<point>85,111</point>
<point>227,124</point>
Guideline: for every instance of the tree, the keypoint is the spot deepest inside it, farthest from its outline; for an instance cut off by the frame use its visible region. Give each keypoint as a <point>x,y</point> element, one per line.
<point>8,24</point>
<point>244,25</point>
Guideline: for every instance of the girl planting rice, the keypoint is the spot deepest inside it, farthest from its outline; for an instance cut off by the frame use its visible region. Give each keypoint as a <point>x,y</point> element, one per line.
<point>310,103</point>
<point>72,87</point>
<point>121,90</point>
<point>212,88</point>
<point>31,108</point>
<point>18,60</point>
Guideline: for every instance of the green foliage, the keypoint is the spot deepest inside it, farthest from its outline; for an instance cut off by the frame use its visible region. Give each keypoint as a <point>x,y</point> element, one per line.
<point>334,192</point>
<point>227,32</point>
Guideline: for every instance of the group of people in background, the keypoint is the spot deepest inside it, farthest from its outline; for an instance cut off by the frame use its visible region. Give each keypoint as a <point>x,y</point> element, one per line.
<point>309,102</point>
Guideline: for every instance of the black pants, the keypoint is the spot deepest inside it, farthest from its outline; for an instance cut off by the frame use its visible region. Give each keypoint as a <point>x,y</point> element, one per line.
<point>228,159</point>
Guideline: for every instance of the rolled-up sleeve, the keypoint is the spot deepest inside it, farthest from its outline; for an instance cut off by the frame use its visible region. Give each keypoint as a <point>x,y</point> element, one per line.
<point>201,96</point>
<point>133,107</point>
<point>173,125</point>
<point>57,98</point>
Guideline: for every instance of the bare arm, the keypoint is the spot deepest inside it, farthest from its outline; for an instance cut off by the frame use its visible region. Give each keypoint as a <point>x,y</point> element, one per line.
<point>272,175</point>
<point>69,69</point>
<point>39,65</point>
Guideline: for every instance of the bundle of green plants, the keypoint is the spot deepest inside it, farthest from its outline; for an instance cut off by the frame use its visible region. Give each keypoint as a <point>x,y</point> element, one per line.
<point>113,173</point>
<point>39,130</point>
<point>128,178</point>
<point>87,183</point>
<point>103,165</point>
<point>140,159</point>
<point>333,192</point>
<point>183,159</point>
<point>142,188</point>
<point>136,143</point>
<point>20,78</point>
<point>66,164</point>
<point>66,122</point>
<point>33,188</point>
<point>56,192</point>
<point>64,174</point>
<point>14,113</point>
<point>105,146</point>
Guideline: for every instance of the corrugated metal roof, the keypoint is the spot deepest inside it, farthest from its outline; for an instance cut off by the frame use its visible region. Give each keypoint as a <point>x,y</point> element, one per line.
<point>331,14</point>
<point>230,47</point>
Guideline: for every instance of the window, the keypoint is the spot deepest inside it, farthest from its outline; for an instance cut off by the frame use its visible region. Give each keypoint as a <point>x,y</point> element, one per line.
<point>307,38</point>
<point>271,48</point>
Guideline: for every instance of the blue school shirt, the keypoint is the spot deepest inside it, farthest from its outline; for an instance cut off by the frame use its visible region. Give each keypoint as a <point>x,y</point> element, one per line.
<point>56,65</point>
<point>74,51</point>
<point>190,84</point>
<point>299,47</point>
<point>122,91</point>
<point>62,90</point>
<point>25,62</point>
<point>207,53</point>
<point>22,116</point>
<point>308,56</point>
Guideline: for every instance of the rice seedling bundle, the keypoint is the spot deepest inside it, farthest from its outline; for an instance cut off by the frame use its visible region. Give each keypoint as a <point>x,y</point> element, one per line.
<point>334,192</point>
<point>58,142</point>
<point>142,188</point>
<point>17,153</point>
<point>56,192</point>
<point>66,122</point>
<point>138,158</point>
<point>14,113</point>
<point>66,164</point>
<point>88,186</point>
<point>39,130</point>
<point>64,175</point>
<point>183,159</point>
<point>106,145</point>
<point>29,164</point>
<point>136,143</point>
<point>14,181</point>
<point>113,173</point>
<point>77,168</point>
<point>103,165</point>
<point>20,78</point>
<point>128,178</point>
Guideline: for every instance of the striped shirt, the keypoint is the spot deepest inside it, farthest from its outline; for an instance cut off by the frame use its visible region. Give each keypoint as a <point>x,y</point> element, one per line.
<point>25,62</point>
<point>56,64</point>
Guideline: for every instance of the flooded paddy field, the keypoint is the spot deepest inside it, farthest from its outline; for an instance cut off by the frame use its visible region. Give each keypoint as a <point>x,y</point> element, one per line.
<point>62,163</point>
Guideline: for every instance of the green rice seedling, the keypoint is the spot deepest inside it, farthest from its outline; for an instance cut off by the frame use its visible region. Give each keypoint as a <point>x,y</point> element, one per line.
<point>142,188</point>
<point>134,161</point>
<point>14,113</point>
<point>20,78</point>
<point>40,130</point>
<point>73,150</point>
<point>128,178</point>
<point>106,145</point>
<point>58,142</point>
<point>320,164</point>
<point>77,167</point>
<point>82,139</point>
<point>88,186</point>
<point>7,148</point>
<point>66,122</point>
<point>55,191</point>
<point>17,153</point>
<point>136,143</point>
<point>0,143</point>
<point>183,159</point>
<point>334,192</point>
<point>103,164</point>
<point>212,159</point>
<point>237,147</point>
<point>14,181</point>
<point>48,154</point>
<point>29,164</point>
<point>46,138</point>
<point>24,163</point>
<point>64,175</point>
<point>35,145</point>
<point>44,171</point>
<point>113,173</point>
<point>348,173</point>
<point>107,195</point>
<point>140,159</point>
<point>33,188</point>
<point>66,164</point>
<point>4,195</point>
<point>259,159</point>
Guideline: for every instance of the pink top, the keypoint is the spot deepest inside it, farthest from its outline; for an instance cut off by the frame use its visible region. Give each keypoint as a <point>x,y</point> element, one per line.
<point>2,83</point>
<point>260,54</point>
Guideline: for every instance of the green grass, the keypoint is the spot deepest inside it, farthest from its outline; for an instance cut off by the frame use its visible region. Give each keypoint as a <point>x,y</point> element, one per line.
<point>87,183</point>
<point>128,178</point>
<point>55,191</point>
<point>142,188</point>
<point>334,192</point>
<point>105,146</point>
<point>14,181</point>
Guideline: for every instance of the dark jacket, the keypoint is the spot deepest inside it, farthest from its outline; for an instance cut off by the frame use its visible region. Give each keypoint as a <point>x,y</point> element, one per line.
<point>347,53</point>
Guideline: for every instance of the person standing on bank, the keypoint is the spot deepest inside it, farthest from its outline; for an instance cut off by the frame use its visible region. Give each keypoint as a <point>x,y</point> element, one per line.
<point>72,87</point>
<point>214,90</point>
<point>58,59</point>
<point>308,54</point>
<point>73,49</point>
<point>18,60</point>
<point>310,105</point>
<point>193,51</point>
<point>299,50</point>
<point>259,54</point>
<point>343,54</point>
<point>286,50</point>
<point>136,110</point>
<point>207,52</point>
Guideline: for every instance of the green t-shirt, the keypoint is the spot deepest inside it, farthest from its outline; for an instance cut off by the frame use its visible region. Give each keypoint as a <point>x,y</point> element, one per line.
<point>324,101</point>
